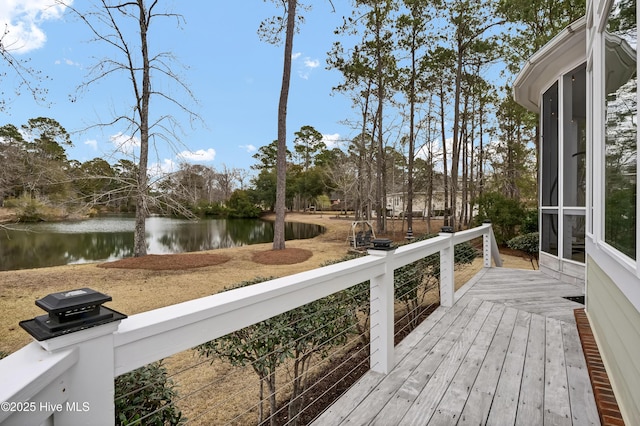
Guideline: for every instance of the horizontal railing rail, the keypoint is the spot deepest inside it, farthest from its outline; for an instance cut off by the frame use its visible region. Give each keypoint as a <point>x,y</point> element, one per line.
<point>156,334</point>
<point>69,379</point>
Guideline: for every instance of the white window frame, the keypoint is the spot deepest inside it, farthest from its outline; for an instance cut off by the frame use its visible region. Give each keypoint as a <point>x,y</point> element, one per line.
<point>622,269</point>
<point>560,209</point>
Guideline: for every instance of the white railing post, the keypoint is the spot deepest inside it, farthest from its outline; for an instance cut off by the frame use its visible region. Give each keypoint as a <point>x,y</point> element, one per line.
<point>90,391</point>
<point>78,323</point>
<point>447,286</point>
<point>490,246</point>
<point>382,316</point>
<point>486,245</point>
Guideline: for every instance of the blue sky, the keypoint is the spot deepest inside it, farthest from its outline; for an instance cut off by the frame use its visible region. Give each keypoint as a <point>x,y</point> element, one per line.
<point>235,76</point>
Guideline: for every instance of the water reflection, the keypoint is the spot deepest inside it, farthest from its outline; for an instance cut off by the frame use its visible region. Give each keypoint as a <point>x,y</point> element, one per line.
<point>99,239</point>
<point>621,85</point>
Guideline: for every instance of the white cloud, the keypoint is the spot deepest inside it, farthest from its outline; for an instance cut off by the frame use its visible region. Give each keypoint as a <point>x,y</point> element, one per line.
<point>308,64</point>
<point>249,148</point>
<point>311,63</point>
<point>67,62</point>
<point>125,144</point>
<point>332,141</point>
<point>163,168</point>
<point>92,143</point>
<point>422,152</point>
<point>296,55</point>
<point>199,155</point>
<point>23,19</point>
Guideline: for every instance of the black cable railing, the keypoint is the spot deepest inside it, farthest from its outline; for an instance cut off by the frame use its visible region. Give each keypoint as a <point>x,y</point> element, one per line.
<point>286,369</point>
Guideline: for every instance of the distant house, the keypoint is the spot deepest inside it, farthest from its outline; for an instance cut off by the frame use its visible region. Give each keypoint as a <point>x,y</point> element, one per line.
<point>397,202</point>
<point>584,85</point>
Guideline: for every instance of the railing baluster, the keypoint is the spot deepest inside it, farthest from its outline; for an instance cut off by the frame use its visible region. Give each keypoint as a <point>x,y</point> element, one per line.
<point>447,288</point>
<point>382,321</point>
<point>91,358</point>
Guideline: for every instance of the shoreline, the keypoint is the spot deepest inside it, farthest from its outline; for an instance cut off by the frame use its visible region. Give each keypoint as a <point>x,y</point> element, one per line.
<point>139,290</point>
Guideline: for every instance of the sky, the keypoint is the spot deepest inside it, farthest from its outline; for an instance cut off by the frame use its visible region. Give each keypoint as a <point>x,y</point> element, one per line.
<point>235,77</point>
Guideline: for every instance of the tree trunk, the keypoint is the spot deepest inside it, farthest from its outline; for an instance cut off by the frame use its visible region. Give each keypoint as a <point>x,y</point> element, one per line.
<point>380,201</point>
<point>361,161</point>
<point>444,155</point>
<point>273,402</point>
<point>480,174</point>
<point>455,149</point>
<point>281,161</point>
<point>139,239</point>
<point>261,399</point>
<point>412,101</point>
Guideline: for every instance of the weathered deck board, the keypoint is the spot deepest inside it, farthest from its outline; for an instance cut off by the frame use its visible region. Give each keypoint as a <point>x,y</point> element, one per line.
<point>501,355</point>
<point>557,410</point>
<point>406,392</point>
<point>530,291</point>
<point>505,402</point>
<point>476,409</point>
<point>531,400</point>
<point>452,403</point>
<point>362,398</point>
<point>426,402</point>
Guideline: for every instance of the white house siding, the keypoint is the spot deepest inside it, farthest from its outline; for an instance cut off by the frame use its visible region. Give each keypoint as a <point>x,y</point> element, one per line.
<point>616,325</point>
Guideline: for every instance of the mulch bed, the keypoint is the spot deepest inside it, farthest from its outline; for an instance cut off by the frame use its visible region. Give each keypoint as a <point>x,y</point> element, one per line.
<point>172,262</point>
<point>176,262</point>
<point>288,256</point>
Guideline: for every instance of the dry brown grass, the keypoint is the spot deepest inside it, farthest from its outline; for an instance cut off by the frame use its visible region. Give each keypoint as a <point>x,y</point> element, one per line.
<point>138,290</point>
<point>167,262</point>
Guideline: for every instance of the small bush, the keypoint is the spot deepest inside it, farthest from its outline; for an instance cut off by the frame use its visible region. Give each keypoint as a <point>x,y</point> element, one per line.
<point>144,392</point>
<point>240,205</point>
<point>215,209</point>
<point>504,213</point>
<point>530,222</point>
<point>528,243</point>
<point>30,209</point>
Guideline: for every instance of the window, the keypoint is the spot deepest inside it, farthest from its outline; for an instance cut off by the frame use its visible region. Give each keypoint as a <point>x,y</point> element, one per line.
<point>620,166</point>
<point>549,243</point>
<point>574,129</point>
<point>573,241</point>
<point>550,146</point>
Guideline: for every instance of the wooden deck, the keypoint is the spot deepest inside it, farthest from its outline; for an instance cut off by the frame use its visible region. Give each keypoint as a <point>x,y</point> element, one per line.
<point>507,353</point>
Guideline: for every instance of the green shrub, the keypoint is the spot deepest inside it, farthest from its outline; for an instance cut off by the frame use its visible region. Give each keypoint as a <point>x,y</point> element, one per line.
<point>530,222</point>
<point>30,209</point>
<point>147,391</point>
<point>215,209</point>
<point>504,213</point>
<point>528,243</point>
<point>240,205</point>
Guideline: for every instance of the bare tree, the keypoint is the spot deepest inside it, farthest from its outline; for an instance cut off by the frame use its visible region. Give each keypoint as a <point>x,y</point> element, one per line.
<point>110,22</point>
<point>241,176</point>
<point>27,78</point>
<point>343,175</point>
<point>225,179</point>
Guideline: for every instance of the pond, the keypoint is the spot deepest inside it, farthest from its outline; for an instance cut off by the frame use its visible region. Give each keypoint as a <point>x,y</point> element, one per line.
<point>102,239</point>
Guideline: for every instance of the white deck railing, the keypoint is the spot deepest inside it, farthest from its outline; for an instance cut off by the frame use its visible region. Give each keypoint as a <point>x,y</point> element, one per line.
<point>69,380</point>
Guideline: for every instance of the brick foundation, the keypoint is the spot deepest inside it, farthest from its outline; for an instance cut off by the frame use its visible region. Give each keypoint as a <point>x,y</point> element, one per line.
<point>605,399</point>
